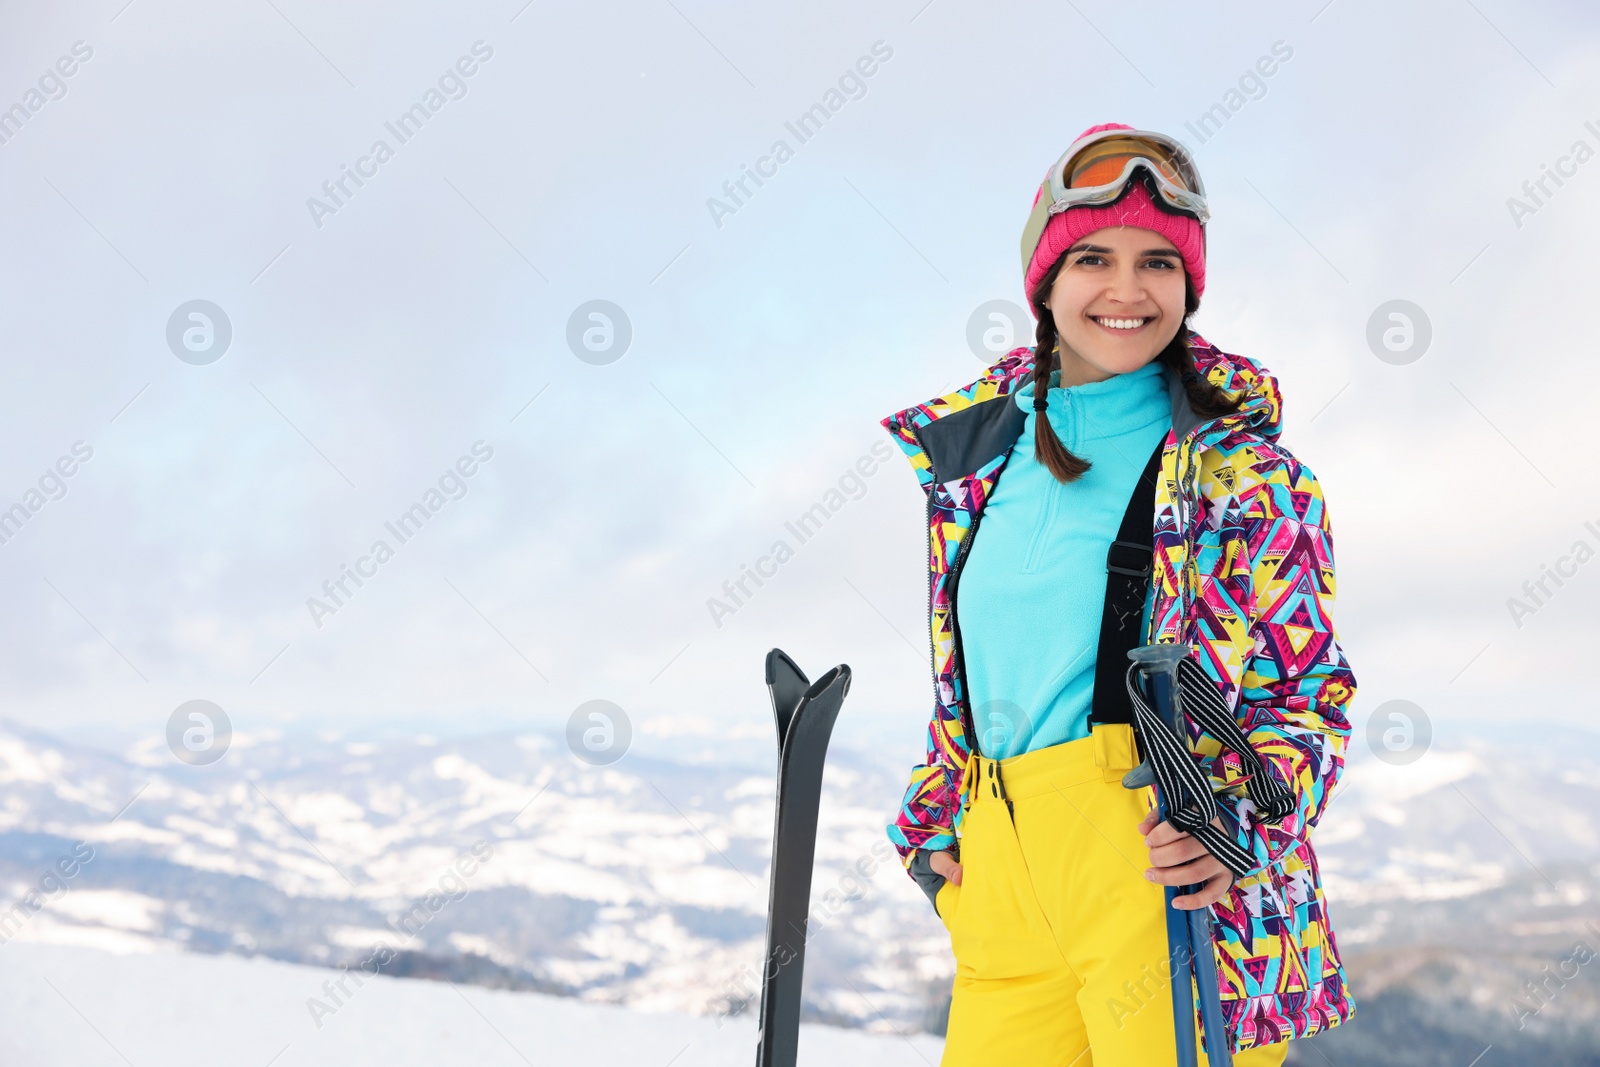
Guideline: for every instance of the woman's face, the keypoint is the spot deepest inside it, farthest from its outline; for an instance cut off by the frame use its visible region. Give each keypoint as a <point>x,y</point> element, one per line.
<point>1117,301</point>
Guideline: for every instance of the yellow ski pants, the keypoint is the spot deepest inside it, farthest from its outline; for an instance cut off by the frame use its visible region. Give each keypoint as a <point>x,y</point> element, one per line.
<point>1060,940</point>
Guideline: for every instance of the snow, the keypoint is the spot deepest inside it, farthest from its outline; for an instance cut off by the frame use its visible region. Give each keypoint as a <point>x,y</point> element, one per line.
<point>116,908</point>
<point>116,942</point>
<point>79,1006</point>
<point>1397,783</point>
<point>361,937</point>
<point>20,763</point>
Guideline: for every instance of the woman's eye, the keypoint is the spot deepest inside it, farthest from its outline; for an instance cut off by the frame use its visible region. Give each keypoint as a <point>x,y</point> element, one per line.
<point>1164,264</point>
<point>1090,259</point>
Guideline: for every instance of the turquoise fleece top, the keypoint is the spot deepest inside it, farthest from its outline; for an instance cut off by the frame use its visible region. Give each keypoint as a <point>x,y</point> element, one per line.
<point>1033,587</point>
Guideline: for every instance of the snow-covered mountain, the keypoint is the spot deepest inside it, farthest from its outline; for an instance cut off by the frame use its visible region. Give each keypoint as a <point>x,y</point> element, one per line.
<point>502,861</point>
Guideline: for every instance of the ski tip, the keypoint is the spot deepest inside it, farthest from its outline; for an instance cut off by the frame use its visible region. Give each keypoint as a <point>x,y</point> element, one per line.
<point>837,676</point>
<point>778,661</point>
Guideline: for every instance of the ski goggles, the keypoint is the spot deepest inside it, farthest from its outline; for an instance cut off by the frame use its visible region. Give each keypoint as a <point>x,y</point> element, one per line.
<point>1097,170</point>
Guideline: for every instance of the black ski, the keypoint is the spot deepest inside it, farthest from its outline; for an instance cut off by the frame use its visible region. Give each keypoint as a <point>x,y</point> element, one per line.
<point>805,713</point>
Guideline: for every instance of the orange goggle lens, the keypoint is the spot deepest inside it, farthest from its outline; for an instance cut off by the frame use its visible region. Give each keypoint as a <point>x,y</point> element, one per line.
<point>1102,163</point>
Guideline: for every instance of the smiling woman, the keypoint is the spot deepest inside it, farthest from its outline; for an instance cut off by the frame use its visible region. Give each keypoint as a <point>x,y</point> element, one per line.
<point>1112,303</point>
<point>1132,498</point>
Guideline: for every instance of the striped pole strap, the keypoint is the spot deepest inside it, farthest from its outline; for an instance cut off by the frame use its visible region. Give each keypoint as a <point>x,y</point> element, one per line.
<point>1190,804</point>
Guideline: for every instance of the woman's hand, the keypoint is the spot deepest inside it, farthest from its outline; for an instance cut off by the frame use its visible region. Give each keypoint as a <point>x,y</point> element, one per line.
<point>944,866</point>
<point>1178,859</point>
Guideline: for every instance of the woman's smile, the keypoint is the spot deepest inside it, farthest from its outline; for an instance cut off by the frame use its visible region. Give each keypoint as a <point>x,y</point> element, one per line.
<point>1122,324</point>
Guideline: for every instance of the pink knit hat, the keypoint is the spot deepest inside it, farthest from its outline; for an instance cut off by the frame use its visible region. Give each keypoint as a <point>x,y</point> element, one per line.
<point>1135,209</point>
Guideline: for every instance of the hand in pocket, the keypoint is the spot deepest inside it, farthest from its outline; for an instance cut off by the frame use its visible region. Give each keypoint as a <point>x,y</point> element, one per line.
<point>946,867</point>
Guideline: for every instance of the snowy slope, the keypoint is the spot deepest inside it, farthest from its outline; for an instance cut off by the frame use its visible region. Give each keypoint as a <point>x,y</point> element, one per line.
<point>502,862</point>
<point>62,1005</point>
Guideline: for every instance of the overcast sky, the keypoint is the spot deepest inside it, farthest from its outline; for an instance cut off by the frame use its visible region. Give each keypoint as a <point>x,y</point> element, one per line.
<point>381,331</point>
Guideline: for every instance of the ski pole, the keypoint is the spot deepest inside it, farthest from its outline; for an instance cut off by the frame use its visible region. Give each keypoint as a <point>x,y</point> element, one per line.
<point>1188,932</point>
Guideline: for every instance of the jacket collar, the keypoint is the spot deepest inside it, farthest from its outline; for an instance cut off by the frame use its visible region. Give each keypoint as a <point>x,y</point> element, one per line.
<point>960,433</point>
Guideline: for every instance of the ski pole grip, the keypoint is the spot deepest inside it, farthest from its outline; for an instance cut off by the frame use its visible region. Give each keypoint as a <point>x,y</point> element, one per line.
<point>1160,660</point>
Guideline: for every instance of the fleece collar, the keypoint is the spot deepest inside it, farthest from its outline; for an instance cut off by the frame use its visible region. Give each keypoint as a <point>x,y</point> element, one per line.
<point>960,432</point>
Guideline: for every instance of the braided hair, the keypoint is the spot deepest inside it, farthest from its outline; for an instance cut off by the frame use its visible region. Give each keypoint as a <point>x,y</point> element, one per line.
<point>1206,398</point>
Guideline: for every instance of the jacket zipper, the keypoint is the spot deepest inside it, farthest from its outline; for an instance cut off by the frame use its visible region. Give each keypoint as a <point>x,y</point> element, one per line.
<point>933,656</point>
<point>960,678</point>
<point>1183,513</point>
<point>965,701</point>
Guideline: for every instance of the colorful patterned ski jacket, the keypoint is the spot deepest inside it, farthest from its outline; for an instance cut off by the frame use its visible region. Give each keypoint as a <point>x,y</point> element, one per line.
<point>1243,572</point>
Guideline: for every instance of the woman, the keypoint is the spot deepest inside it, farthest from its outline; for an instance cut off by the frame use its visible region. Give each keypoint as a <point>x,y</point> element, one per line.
<point>1046,870</point>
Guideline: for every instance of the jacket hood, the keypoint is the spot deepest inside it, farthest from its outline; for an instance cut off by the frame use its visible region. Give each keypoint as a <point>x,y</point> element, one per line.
<point>1260,414</point>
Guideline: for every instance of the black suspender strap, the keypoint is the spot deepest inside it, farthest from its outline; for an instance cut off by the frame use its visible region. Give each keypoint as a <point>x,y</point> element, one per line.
<point>1128,563</point>
<point>1116,693</point>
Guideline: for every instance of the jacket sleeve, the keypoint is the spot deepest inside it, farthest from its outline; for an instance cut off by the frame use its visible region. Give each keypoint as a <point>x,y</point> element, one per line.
<point>930,810</point>
<point>1296,684</point>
